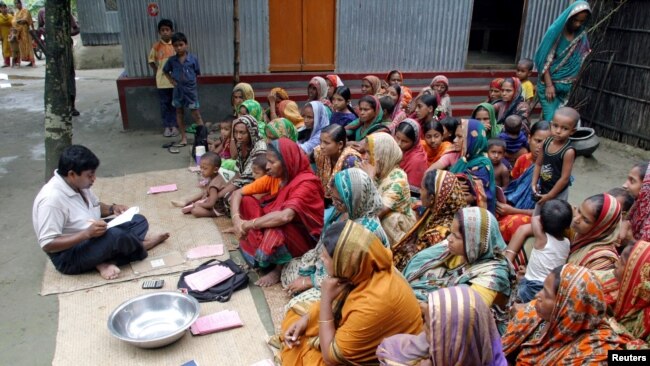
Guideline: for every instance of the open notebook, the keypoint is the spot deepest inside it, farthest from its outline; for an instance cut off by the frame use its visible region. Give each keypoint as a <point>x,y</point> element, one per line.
<point>213,275</point>
<point>226,319</point>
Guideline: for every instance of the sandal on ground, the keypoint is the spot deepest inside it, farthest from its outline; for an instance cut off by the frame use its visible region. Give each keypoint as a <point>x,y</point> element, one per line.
<point>179,144</point>
<point>167,145</point>
<point>174,150</point>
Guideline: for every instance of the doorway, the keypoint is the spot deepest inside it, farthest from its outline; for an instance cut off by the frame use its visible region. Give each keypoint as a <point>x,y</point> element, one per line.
<point>302,35</point>
<point>494,33</point>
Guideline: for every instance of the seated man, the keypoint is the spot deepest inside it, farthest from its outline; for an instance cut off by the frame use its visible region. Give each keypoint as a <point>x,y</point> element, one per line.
<point>67,220</point>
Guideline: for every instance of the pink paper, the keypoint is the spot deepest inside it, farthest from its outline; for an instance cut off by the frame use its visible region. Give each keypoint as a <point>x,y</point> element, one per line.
<point>162,189</point>
<point>205,251</point>
<point>203,280</point>
<point>223,320</point>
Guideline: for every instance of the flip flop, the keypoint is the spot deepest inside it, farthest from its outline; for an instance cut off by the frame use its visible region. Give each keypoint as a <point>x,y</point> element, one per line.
<point>179,144</point>
<point>174,150</point>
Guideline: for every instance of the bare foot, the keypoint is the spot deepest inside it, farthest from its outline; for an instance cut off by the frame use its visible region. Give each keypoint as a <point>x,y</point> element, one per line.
<point>270,278</point>
<point>177,203</point>
<point>230,230</point>
<point>151,240</point>
<point>108,271</point>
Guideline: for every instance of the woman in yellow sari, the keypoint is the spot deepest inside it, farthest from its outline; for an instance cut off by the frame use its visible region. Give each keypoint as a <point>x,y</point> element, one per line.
<point>23,22</point>
<point>6,20</point>
<point>364,301</point>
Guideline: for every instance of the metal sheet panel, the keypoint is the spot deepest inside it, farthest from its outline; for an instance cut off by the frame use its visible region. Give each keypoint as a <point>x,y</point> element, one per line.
<point>98,26</point>
<point>208,27</point>
<point>539,16</point>
<point>418,35</point>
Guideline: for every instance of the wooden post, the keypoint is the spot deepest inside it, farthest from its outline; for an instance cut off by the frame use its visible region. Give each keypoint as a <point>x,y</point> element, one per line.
<point>235,18</point>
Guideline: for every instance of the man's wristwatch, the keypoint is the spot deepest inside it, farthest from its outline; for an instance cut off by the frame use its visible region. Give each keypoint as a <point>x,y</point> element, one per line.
<point>111,210</point>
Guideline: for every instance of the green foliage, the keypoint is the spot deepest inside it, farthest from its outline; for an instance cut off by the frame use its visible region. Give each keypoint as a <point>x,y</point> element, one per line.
<point>35,5</point>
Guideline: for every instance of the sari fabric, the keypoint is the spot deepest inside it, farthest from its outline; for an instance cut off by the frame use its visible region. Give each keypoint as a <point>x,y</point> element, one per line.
<point>375,84</point>
<point>474,159</point>
<point>281,127</point>
<point>5,28</point>
<point>392,183</point>
<point>335,80</point>
<point>435,155</point>
<point>632,309</point>
<point>516,106</point>
<point>577,333</point>
<point>377,304</point>
<point>494,84</point>
<point>321,120</point>
<point>258,147</point>
<point>349,158</point>
<point>280,94</point>
<point>289,109</point>
<point>247,93</point>
<point>407,94</point>
<point>561,58</point>
<point>357,131</point>
<point>24,38</point>
<point>462,333</point>
<point>640,211</point>
<point>596,249</point>
<point>414,160</point>
<point>321,86</point>
<point>303,194</point>
<point>444,101</point>
<point>494,127</point>
<point>435,224</point>
<point>255,109</point>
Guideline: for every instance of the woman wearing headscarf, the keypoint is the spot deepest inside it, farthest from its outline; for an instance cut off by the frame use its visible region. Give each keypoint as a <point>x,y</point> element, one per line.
<point>559,57</point>
<point>275,97</point>
<point>317,91</point>
<point>281,127</point>
<point>640,212</point>
<point>240,93</point>
<point>383,156</point>
<point>443,197</point>
<point>459,330</point>
<point>289,109</point>
<point>356,199</point>
<point>471,255</point>
<point>511,102</point>
<point>333,155</point>
<point>440,84</point>
<point>363,301</point>
<point>253,108</point>
<point>485,113</point>
<point>316,118</point>
<point>273,231</point>
<point>369,121</point>
<point>395,77</point>
<point>414,158</point>
<point>371,85</point>
<point>564,325</point>
<point>333,82</point>
<point>474,160</point>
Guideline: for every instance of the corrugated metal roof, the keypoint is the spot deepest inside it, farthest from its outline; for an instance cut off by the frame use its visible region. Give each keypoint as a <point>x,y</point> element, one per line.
<point>98,26</point>
<point>417,35</point>
<point>208,26</point>
<point>539,16</point>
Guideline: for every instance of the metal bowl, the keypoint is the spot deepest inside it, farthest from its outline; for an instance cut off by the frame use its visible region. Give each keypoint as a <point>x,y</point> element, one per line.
<point>153,320</point>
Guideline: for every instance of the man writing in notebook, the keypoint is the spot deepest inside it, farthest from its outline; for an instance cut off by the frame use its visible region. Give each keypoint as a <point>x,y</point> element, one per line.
<point>67,221</point>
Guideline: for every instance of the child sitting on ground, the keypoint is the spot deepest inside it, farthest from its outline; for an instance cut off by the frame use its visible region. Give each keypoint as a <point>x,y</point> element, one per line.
<point>515,138</point>
<point>496,151</point>
<point>553,167</point>
<point>550,249</point>
<point>206,203</point>
<point>440,84</point>
<point>524,69</point>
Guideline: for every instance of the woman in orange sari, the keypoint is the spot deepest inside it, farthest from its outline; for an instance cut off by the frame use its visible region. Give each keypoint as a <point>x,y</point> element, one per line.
<point>364,301</point>
<point>23,23</point>
<point>6,20</point>
<point>564,325</point>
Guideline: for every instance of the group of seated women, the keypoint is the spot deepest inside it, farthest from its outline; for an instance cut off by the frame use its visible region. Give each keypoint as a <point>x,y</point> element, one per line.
<point>398,253</point>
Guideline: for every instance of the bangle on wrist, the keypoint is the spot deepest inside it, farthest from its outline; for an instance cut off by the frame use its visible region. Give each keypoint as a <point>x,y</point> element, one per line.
<point>511,251</point>
<point>326,321</point>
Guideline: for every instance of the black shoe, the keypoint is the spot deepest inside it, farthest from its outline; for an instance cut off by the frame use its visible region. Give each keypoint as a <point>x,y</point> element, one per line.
<point>75,112</point>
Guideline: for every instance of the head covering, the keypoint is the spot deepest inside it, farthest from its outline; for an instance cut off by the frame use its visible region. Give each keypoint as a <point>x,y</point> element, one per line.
<point>251,125</point>
<point>281,127</point>
<point>576,333</point>
<point>599,241</point>
<point>414,160</point>
<point>447,198</point>
<point>321,120</point>
<point>462,332</point>
<point>321,86</point>
<point>632,307</point>
<point>335,80</point>
<point>385,154</point>
<point>494,84</point>
<point>494,128</point>
<point>440,79</point>
<point>289,110</point>
<point>509,108</point>
<point>246,90</point>
<point>254,109</point>
<point>640,211</point>
<point>473,156</point>
<point>257,147</point>
<point>280,93</point>
<point>375,84</point>
<point>360,132</point>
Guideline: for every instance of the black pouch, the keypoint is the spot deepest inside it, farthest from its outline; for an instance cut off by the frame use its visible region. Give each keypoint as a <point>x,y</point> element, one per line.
<point>221,292</point>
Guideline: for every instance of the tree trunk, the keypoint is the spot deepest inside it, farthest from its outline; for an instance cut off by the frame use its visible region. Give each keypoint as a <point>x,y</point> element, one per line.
<point>58,83</point>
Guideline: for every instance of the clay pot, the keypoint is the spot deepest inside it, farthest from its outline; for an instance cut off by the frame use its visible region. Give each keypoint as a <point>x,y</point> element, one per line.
<point>585,141</point>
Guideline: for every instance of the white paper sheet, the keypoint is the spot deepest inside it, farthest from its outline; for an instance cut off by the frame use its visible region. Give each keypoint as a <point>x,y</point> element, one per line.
<point>126,216</point>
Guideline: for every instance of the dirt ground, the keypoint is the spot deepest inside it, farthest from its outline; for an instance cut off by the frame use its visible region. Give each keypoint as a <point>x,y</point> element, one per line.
<point>28,322</point>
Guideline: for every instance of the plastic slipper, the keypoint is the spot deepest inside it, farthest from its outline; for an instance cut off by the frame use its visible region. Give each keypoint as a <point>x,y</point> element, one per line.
<point>167,145</point>
<point>179,144</point>
<point>174,150</point>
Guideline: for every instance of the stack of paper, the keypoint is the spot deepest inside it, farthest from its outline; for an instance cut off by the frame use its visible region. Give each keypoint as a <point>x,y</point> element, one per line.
<point>213,275</point>
<point>162,189</point>
<point>205,251</point>
<point>226,319</point>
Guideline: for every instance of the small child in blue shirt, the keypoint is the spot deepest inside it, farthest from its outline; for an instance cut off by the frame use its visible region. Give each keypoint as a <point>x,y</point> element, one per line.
<point>182,70</point>
<point>515,137</point>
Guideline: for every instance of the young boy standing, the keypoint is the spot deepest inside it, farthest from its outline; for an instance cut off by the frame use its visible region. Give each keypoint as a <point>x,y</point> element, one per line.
<point>182,70</point>
<point>160,52</point>
<point>554,165</point>
<point>524,69</point>
<point>496,152</point>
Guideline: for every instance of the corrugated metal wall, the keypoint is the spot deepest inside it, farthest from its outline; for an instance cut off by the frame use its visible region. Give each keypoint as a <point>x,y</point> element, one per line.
<point>208,27</point>
<point>98,26</point>
<point>539,16</point>
<point>417,35</point>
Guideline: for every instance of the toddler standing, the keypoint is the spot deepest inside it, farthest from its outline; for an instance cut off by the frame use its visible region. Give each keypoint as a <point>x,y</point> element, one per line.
<point>160,52</point>
<point>496,151</point>
<point>524,69</point>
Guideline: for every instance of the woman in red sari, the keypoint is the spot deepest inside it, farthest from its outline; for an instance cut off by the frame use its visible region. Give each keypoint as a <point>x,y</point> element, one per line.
<point>287,224</point>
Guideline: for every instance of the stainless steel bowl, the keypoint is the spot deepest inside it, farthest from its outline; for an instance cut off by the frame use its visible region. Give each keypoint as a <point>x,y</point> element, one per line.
<point>153,320</point>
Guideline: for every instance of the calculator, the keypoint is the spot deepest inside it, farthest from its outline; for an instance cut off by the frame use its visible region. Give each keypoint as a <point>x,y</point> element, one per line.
<point>153,284</point>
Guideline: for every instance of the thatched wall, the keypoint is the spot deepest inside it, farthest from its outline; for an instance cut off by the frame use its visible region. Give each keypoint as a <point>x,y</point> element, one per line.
<point>613,91</point>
